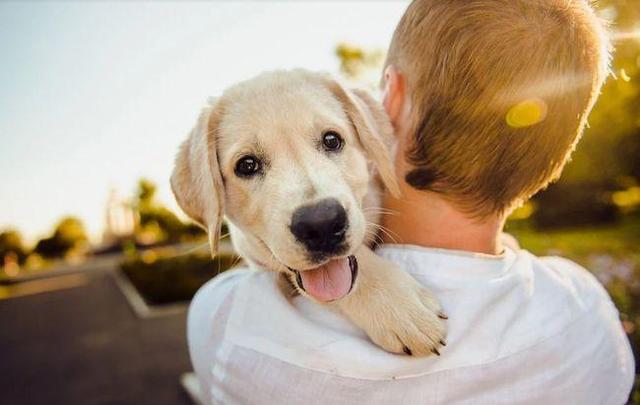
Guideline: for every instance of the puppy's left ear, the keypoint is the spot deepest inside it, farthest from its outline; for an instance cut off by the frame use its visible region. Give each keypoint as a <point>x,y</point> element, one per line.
<point>373,128</point>
<point>196,180</point>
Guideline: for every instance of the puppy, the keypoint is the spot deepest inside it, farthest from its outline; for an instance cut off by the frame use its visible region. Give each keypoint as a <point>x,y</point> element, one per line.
<point>289,158</point>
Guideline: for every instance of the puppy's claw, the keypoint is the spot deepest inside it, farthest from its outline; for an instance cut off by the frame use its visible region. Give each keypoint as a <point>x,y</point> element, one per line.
<point>406,350</point>
<point>441,315</point>
<point>435,351</point>
<point>443,343</point>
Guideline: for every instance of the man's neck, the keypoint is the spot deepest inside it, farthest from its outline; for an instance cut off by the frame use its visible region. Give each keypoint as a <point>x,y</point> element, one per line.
<point>425,218</point>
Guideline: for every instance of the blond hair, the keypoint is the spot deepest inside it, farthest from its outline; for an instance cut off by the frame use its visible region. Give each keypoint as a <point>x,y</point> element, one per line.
<point>500,91</point>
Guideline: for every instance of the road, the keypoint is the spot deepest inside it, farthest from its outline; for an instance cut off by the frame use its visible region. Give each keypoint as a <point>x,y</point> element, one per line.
<point>82,344</point>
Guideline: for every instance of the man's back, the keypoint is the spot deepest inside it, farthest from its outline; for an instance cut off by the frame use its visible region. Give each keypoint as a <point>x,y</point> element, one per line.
<point>521,330</point>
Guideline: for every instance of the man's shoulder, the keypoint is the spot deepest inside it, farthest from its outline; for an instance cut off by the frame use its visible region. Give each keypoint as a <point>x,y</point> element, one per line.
<point>573,278</point>
<point>223,282</point>
<point>570,274</point>
<point>596,328</point>
<point>243,313</point>
<point>214,292</point>
<point>591,315</point>
<point>209,312</point>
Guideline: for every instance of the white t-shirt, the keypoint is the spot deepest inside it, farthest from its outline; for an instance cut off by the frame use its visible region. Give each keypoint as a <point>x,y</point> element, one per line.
<point>521,329</point>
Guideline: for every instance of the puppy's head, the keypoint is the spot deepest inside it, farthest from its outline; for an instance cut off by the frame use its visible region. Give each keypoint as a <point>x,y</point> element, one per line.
<point>287,158</point>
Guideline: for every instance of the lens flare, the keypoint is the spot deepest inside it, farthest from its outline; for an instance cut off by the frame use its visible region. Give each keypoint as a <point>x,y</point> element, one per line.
<point>527,113</point>
<point>624,76</point>
<point>624,36</point>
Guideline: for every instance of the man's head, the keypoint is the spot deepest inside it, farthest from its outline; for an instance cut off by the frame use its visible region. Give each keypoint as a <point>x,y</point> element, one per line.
<point>489,97</point>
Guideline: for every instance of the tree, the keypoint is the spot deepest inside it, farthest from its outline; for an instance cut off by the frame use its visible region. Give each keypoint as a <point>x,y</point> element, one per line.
<point>158,223</point>
<point>68,235</point>
<point>146,193</point>
<point>360,65</point>
<point>11,243</point>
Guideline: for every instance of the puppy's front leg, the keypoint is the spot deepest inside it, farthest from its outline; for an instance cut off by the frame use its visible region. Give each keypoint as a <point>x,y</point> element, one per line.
<point>395,311</point>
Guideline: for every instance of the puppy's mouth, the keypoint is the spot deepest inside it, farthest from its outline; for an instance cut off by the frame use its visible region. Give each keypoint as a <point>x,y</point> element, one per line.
<point>331,281</point>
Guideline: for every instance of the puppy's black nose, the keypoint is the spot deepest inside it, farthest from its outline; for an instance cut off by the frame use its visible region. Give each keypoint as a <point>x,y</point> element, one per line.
<point>321,227</point>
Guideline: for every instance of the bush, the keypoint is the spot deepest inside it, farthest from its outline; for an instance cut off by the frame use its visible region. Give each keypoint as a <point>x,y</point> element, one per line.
<point>564,205</point>
<point>174,279</point>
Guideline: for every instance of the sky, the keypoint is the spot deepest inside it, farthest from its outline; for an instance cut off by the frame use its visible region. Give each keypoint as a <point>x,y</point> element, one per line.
<point>95,95</point>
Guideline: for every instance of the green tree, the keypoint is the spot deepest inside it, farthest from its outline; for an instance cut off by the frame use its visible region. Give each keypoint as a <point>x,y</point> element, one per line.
<point>360,65</point>
<point>157,220</point>
<point>146,192</point>
<point>11,243</point>
<point>68,235</point>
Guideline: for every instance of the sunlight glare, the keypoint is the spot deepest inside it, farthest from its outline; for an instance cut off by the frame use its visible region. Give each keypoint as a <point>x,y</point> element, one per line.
<point>624,76</point>
<point>527,113</point>
<point>622,36</point>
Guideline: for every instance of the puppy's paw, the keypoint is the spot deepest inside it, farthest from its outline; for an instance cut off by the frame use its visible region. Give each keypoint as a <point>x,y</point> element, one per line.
<point>413,324</point>
<point>396,312</point>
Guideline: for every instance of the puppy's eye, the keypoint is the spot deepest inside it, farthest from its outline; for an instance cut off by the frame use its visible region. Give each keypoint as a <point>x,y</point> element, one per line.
<point>332,141</point>
<point>248,166</point>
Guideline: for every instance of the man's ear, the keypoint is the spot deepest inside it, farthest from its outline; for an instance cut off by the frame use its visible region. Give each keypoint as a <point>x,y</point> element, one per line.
<point>196,180</point>
<point>393,98</point>
<point>373,129</point>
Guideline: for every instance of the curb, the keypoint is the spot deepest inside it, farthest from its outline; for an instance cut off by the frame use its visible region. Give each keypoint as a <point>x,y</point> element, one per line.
<point>139,306</point>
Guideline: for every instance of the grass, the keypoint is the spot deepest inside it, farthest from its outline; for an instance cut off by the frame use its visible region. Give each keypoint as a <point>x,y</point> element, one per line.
<point>620,240</point>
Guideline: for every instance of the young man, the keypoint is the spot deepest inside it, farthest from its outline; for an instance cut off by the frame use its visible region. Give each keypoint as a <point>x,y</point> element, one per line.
<point>488,98</point>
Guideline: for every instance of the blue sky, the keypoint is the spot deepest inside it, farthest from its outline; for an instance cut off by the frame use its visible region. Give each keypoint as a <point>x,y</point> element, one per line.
<point>95,95</point>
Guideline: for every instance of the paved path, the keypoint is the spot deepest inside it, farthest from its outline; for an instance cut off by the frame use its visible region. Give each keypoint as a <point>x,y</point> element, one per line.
<point>83,345</point>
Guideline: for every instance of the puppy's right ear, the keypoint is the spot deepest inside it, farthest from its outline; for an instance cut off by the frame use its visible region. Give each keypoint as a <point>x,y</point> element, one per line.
<point>373,128</point>
<point>196,180</point>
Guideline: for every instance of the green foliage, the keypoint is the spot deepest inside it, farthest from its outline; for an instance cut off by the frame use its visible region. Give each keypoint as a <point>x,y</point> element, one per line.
<point>359,64</point>
<point>11,243</point>
<point>574,204</point>
<point>157,222</point>
<point>579,243</point>
<point>70,230</point>
<point>68,235</point>
<point>146,192</point>
<point>173,279</point>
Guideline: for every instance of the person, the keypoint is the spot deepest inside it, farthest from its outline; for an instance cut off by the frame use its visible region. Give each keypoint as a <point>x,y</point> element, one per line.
<point>488,99</point>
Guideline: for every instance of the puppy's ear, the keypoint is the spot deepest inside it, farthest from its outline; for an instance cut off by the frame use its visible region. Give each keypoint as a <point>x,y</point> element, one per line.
<point>373,128</point>
<point>196,180</point>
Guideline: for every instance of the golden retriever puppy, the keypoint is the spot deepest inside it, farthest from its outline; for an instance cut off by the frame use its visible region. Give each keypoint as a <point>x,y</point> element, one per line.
<point>289,159</point>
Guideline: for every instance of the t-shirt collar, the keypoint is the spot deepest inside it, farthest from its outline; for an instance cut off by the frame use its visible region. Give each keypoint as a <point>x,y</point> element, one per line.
<point>449,263</point>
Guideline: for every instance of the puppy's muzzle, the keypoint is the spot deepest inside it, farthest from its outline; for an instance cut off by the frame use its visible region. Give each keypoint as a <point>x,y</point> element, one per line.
<point>321,227</point>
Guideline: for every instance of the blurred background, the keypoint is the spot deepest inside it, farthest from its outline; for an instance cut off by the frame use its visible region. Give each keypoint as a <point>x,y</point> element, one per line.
<point>97,264</point>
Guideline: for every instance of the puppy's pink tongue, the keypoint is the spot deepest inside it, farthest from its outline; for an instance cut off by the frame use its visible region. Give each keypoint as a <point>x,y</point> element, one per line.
<point>328,282</point>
